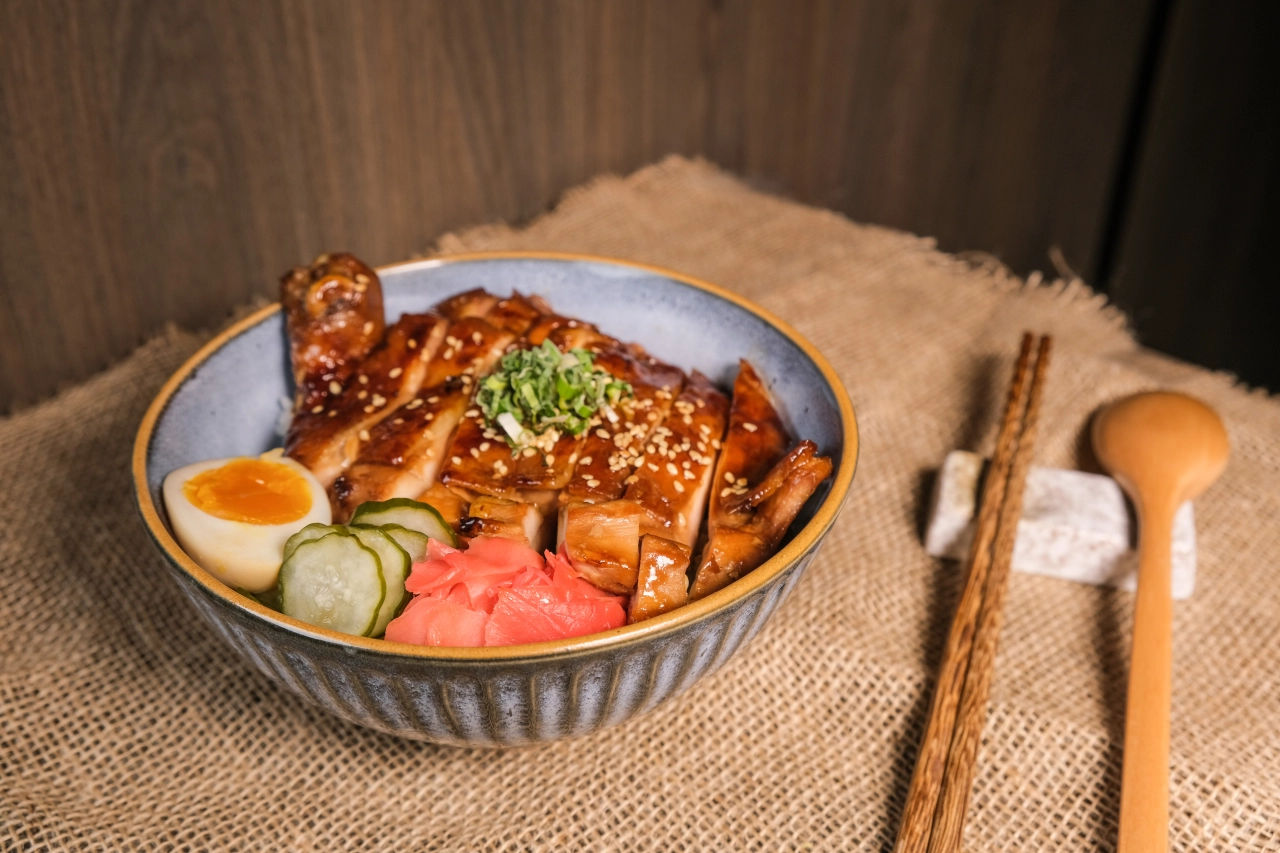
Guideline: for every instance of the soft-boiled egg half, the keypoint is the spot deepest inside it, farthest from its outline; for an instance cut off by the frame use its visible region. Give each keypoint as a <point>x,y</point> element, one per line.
<point>233,516</point>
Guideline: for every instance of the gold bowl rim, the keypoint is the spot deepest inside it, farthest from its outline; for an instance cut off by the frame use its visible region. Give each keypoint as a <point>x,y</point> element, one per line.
<point>666,623</point>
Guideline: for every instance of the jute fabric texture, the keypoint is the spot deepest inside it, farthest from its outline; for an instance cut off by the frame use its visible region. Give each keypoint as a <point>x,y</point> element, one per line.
<point>126,725</point>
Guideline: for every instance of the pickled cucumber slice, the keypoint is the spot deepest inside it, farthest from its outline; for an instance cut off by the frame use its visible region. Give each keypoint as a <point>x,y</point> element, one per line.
<point>333,582</point>
<point>410,514</point>
<point>413,542</point>
<point>395,568</point>
<point>311,532</point>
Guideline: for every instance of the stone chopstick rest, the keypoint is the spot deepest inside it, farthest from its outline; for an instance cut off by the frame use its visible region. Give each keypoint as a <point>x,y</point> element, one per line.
<point>1074,526</point>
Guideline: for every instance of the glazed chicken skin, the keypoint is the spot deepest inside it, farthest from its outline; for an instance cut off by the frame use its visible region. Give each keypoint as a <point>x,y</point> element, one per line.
<point>759,488</point>
<point>402,455</point>
<point>480,462</point>
<point>754,443</point>
<point>612,447</point>
<point>326,437</point>
<point>333,316</point>
<point>665,497</point>
<point>673,478</point>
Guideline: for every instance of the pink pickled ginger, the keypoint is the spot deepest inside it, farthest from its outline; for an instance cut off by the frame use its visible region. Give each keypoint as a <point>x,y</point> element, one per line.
<point>500,592</point>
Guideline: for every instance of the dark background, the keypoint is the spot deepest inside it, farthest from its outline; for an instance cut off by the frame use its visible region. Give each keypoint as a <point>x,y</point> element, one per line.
<point>165,161</point>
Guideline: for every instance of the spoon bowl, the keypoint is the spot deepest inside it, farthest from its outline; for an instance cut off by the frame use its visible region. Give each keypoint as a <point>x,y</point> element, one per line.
<point>1164,449</point>
<point>1161,443</point>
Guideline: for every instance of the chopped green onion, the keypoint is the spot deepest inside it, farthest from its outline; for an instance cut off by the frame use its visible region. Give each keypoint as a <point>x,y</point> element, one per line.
<point>539,389</point>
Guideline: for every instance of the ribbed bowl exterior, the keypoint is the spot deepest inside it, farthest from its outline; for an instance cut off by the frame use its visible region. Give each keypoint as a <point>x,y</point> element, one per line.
<point>495,702</point>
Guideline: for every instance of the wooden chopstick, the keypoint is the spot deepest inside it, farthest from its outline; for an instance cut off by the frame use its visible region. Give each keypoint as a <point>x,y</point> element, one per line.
<point>962,758</point>
<point>926,782</point>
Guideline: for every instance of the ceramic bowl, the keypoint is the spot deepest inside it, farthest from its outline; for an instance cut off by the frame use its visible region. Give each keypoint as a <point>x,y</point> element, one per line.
<point>228,399</point>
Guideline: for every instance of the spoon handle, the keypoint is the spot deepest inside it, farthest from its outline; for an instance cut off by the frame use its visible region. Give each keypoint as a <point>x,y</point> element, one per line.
<point>1144,793</point>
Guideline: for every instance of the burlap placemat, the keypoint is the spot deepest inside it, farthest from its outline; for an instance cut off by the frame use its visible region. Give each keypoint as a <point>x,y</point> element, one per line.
<point>126,725</point>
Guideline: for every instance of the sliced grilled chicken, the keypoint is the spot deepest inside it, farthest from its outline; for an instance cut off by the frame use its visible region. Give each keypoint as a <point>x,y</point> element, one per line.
<point>663,582</point>
<point>489,516</point>
<point>602,541</point>
<point>402,455</point>
<point>333,313</point>
<point>518,313</point>
<point>609,453</point>
<point>451,506</point>
<point>767,511</point>
<point>480,462</point>
<point>673,477</point>
<point>472,303</point>
<point>325,437</point>
<point>756,440</point>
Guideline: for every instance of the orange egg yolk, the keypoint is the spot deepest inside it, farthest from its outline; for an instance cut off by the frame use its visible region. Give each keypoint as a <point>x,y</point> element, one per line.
<point>250,490</point>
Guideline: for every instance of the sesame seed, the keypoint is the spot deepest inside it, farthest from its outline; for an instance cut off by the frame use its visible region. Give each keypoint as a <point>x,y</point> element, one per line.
<point>362,395</point>
<point>471,413</point>
<point>715,443</point>
<point>335,388</point>
<point>395,372</point>
<point>433,399</point>
<point>633,478</point>
<point>529,452</point>
<point>724,493</point>
<point>680,517</point>
<point>689,475</point>
<point>364,380</point>
<point>672,469</point>
<point>685,464</point>
<point>397,421</point>
<point>362,278</point>
<point>484,445</point>
<point>369,409</point>
<point>430,416</point>
<point>600,433</point>
<point>448,354</point>
<point>413,344</point>
<point>592,483</point>
<point>652,467</point>
<point>378,400</point>
<point>414,403</point>
<point>728,476</point>
<point>315,410</point>
<point>333,413</point>
<point>475,451</point>
<point>368,327</point>
<point>364,435</point>
<point>679,486</point>
<point>749,427</point>
<point>477,338</point>
<point>457,460</point>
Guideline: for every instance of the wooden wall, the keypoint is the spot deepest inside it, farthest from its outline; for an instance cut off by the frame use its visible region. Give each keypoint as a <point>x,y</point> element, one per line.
<point>165,160</point>
<point>1193,263</point>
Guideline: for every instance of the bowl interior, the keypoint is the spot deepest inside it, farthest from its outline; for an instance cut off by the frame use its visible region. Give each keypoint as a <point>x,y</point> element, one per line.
<point>235,403</point>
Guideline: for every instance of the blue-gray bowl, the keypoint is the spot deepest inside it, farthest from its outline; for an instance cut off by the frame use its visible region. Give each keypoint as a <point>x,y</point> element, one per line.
<point>226,401</point>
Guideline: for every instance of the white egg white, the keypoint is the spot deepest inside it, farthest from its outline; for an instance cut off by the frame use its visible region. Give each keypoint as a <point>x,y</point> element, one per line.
<point>241,555</point>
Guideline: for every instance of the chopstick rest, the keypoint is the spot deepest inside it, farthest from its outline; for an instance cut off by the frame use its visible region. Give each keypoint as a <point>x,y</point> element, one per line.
<point>1074,526</point>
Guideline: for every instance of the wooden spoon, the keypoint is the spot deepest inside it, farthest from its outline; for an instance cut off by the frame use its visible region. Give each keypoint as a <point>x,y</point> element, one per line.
<point>1164,449</point>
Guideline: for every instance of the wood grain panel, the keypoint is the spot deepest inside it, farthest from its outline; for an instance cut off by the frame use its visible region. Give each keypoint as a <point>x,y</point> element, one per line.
<point>165,160</point>
<point>990,124</point>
